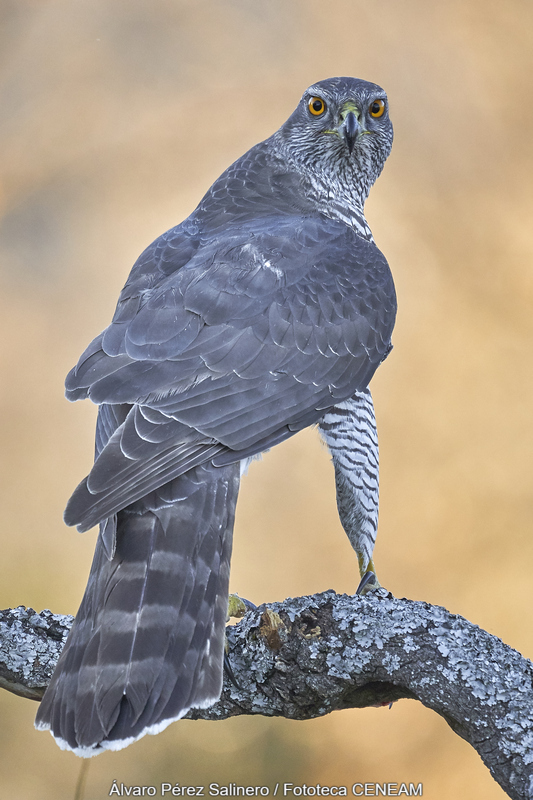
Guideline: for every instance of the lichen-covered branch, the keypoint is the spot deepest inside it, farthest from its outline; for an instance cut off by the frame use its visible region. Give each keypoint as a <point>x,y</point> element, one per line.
<point>30,645</point>
<point>306,657</point>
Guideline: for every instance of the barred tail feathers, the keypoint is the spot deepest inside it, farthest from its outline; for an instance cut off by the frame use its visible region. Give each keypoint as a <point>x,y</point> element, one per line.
<point>148,641</point>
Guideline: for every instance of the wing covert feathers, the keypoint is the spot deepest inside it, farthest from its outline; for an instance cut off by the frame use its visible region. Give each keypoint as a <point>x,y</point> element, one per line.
<point>211,371</point>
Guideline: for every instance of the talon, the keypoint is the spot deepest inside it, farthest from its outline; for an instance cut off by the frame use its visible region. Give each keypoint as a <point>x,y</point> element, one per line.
<point>229,671</point>
<point>368,583</point>
<point>369,579</point>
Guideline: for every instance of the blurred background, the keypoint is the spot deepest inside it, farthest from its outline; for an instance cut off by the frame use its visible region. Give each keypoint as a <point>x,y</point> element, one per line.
<point>115,119</point>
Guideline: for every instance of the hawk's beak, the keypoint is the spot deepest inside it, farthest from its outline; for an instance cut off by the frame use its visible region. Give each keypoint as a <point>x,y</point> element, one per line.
<point>350,129</point>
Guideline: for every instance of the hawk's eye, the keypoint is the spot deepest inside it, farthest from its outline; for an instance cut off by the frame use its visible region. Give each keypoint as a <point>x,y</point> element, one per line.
<point>377,108</point>
<point>316,106</point>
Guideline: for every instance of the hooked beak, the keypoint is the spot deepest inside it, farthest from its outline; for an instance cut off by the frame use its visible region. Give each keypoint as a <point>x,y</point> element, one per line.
<point>350,129</point>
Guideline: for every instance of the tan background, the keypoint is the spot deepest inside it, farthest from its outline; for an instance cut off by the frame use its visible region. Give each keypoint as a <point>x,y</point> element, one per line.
<point>116,117</point>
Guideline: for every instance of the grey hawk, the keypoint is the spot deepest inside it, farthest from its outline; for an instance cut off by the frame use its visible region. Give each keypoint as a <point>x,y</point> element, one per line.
<point>267,310</point>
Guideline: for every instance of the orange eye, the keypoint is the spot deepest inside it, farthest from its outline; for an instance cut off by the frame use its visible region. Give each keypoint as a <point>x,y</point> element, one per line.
<point>316,106</point>
<point>377,108</point>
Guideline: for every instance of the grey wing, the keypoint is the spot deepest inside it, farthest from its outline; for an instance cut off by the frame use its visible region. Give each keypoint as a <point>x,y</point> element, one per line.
<point>148,640</point>
<point>252,340</point>
<point>110,417</point>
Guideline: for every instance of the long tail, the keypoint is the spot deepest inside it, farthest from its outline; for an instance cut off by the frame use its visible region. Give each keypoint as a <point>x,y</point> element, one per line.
<point>147,643</point>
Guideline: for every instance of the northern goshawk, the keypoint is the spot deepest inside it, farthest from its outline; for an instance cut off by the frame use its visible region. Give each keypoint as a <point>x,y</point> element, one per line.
<point>267,310</point>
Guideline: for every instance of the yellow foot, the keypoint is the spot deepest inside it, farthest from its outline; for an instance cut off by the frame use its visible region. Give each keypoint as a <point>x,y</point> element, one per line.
<point>237,607</point>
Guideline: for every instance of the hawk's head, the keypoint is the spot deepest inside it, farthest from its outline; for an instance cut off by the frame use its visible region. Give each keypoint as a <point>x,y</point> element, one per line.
<point>339,134</point>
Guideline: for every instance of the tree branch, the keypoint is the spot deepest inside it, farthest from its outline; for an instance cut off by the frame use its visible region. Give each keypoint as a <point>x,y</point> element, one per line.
<point>308,656</point>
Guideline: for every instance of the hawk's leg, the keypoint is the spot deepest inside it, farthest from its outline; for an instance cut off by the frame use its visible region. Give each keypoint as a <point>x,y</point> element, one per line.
<point>349,430</point>
<point>237,608</point>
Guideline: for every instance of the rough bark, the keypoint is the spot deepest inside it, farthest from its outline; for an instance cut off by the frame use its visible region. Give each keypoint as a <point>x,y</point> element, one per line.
<point>308,656</point>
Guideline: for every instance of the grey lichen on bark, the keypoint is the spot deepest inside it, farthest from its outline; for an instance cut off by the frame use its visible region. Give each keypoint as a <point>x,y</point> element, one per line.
<point>30,645</point>
<point>308,656</point>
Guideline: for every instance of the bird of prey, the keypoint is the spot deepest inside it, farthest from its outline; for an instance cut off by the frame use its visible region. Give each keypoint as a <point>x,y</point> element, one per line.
<point>266,311</point>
